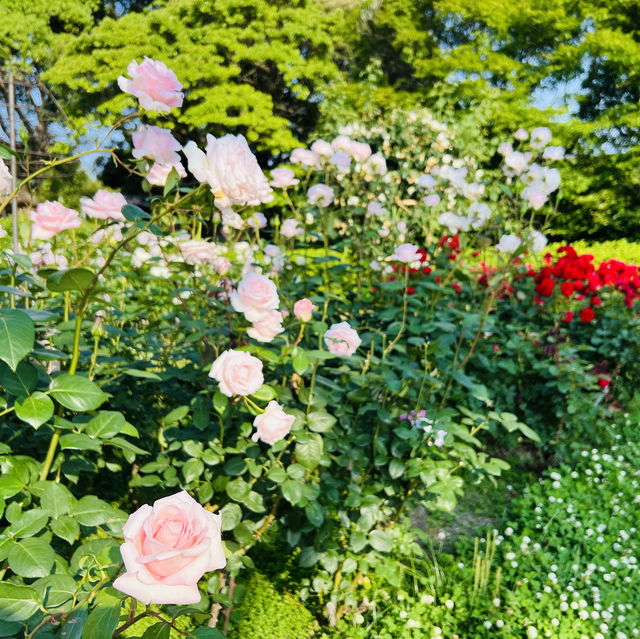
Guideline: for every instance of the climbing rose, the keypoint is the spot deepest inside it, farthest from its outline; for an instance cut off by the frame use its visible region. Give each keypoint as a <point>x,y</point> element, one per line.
<point>237,373</point>
<point>5,179</point>
<point>153,84</point>
<point>160,172</point>
<point>282,178</point>
<point>587,315</point>
<point>167,548</point>
<point>231,170</point>
<point>104,205</point>
<point>303,309</point>
<point>406,253</point>
<point>273,424</point>
<point>265,329</point>
<point>291,228</point>
<point>342,340</point>
<point>320,194</point>
<point>156,144</point>
<point>50,218</point>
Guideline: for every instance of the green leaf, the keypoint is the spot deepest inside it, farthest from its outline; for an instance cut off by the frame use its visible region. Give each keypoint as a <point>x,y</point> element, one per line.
<point>315,513</point>
<point>104,617</point>
<point>17,603</point>
<point>132,213</point>
<point>299,360</point>
<point>106,424</point>
<point>192,470</point>
<point>238,489</point>
<point>220,402</point>
<point>320,421</point>
<point>172,180</point>
<point>91,511</point>
<point>75,624</point>
<point>234,466</point>
<point>176,415</point>
<point>20,383</point>
<point>35,409</point>
<point>157,631</point>
<point>208,633</point>
<point>29,523</point>
<point>31,557</point>
<point>231,516</point>
<point>79,441</point>
<point>309,452</point>
<point>66,528</point>
<point>291,491</point>
<point>17,336</point>
<point>396,468</point>
<point>381,540</point>
<point>308,557</point>
<point>56,499</point>
<point>74,279</point>
<point>55,591</point>
<point>265,393</point>
<point>76,392</point>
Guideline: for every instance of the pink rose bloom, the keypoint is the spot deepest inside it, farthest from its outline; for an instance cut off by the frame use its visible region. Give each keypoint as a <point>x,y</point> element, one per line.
<point>167,548</point>
<point>282,178</point>
<point>406,253</point>
<point>104,205</point>
<point>255,296</point>
<point>153,84</point>
<point>376,209</point>
<point>291,228</point>
<point>359,151</point>
<point>426,181</point>
<point>197,251</point>
<point>322,148</point>
<point>553,153</point>
<point>160,172</point>
<point>231,170</point>
<point>257,221</point>
<point>273,424</point>
<point>237,373</point>
<point>342,340</point>
<point>267,328</point>
<point>156,144</point>
<point>540,136</point>
<point>303,309</point>
<point>220,265</point>
<point>341,142</point>
<point>521,134</point>
<point>376,165</point>
<point>308,159</point>
<point>320,194</point>
<point>536,197</point>
<point>342,161</point>
<point>5,179</point>
<point>505,148</point>
<point>516,161</point>
<point>50,218</point>
<point>431,200</point>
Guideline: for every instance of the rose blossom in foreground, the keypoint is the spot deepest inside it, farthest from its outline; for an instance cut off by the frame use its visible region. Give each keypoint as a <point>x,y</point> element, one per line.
<point>282,178</point>
<point>255,296</point>
<point>153,84</point>
<point>303,309</point>
<point>237,372</point>
<point>273,424</point>
<point>320,194</point>
<point>156,144</point>
<point>104,205</point>
<point>167,548</point>
<point>267,328</point>
<point>160,172</point>
<point>5,179</point>
<point>230,169</point>
<point>406,253</point>
<point>50,218</point>
<point>342,340</point>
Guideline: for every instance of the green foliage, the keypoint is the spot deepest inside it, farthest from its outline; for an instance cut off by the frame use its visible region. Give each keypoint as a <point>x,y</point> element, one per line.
<point>623,250</point>
<point>264,612</point>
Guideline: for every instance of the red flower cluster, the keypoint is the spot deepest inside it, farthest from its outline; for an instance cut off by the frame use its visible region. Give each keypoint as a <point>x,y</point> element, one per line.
<point>452,243</point>
<point>578,278</point>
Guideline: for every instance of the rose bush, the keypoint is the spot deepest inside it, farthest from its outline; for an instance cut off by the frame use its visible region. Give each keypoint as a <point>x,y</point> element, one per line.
<point>308,373</point>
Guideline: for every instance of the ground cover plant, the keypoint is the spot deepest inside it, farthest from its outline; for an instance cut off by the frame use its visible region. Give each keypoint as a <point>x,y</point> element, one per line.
<point>238,369</point>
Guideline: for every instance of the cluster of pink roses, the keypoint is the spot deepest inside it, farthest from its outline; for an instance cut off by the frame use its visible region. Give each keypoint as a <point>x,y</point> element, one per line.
<point>257,297</point>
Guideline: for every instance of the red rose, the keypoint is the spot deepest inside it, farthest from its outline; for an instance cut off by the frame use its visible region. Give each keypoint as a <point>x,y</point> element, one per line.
<point>568,316</point>
<point>545,287</point>
<point>604,382</point>
<point>586,315</point>
<point>567,288</point>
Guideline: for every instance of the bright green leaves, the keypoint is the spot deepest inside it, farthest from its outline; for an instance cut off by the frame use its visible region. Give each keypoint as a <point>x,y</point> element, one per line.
<point>75,279</point>
<point>35,409</point>
<point>309,450</point>
<point>17,336</point>
<point>77,393</point>
<point>17,603</point>
<point>31,557</point>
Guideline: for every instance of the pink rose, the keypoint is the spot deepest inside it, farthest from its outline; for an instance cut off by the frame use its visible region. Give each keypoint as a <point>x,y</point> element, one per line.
<point>255,296</point>
<point>197,251</point>
<point>342,340</point>
<point>359,151</point>
<point>6,181</point>
<point>308,159</point>
<point>267,328</point>
<point>160,172</point>
<point>231,170</point>
<point>376,165</point>
<point>535,196</point>
<point>257,221</point>
<point>303,309</point>
<point>282,178</point>
<point>273,424</point>
<point>104,205</point>
<point>167,548</point>
<point>322,148</point>
<point>406,253</point>
<point>291,228</point>
<point>342,161</point>
<point>320,194</point>
<point>221,265</point>
<point>237,372</point>
<point>431,200</point>
<point>156,144</point>
<point>153,84</point>
<point>50,218</point>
